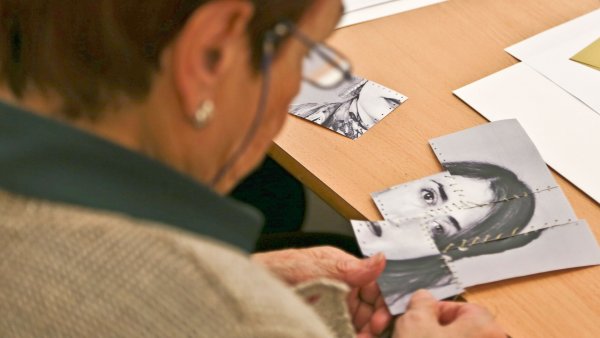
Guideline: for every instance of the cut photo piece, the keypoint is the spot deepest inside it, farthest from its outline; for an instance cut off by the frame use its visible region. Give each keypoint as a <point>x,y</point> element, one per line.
<point>560,247</point>
<point>460,211</point>
<point>413,261</point>
<point>402,278</point>
<point>455,228</point>
<point>495,150</point>
<point>418,198</point>
<point>396,240</point>
<point>518,185</point>
<point>351,109</point>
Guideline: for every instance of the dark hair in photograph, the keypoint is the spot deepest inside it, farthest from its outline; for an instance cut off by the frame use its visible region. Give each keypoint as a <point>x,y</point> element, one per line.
<point>402,277</point>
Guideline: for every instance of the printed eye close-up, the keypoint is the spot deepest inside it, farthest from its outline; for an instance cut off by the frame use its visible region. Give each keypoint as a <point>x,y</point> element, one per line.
<point>437,229</point>
<point>429,196</point>
<point>447,226</point>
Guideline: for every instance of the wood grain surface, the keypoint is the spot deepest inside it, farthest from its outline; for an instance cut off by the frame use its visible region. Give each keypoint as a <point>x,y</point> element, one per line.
<point>426,54</point>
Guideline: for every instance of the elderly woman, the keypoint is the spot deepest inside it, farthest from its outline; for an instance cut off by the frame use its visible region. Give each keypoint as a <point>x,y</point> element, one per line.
<point>122,127</point>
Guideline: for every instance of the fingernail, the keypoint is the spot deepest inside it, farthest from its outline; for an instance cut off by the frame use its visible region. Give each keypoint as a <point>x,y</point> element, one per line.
<point>377,259</point>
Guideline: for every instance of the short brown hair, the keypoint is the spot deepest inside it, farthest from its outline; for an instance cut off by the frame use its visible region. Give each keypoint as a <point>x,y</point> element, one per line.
<point>90,52</point>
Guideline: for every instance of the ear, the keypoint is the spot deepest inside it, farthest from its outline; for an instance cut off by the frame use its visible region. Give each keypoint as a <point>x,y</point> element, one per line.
<point>206,48</point>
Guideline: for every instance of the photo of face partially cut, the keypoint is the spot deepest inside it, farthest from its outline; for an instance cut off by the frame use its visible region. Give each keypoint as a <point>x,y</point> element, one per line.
<point>496,205</point>
<point>413,261</point>
<point>447,274</point>
<point>439,195</point>
<point>472,203</point>
<point>497,186</point>
<point>397,240</point>
<point>351,109</point>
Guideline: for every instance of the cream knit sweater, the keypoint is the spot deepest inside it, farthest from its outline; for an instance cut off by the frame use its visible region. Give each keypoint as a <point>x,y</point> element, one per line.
<point>73,272</point>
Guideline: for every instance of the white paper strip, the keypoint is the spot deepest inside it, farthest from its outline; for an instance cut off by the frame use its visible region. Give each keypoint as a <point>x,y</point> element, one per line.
<point>549,53</point>
<point>354,5</point>
<point>382,10</point>
<point>565,131</point>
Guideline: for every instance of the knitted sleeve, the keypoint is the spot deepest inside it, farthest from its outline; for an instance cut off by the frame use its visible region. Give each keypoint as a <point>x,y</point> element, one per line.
<point>79,273</point>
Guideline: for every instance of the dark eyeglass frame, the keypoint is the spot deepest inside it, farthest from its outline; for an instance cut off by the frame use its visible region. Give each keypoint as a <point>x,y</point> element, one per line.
<point>271,39</point>
<point>324,51</point>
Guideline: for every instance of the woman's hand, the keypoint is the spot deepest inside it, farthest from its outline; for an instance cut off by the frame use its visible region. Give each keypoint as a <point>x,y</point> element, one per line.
<point>428,318</point>
<point>367,307</point>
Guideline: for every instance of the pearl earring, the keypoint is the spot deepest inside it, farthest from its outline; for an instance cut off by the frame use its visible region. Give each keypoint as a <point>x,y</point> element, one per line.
<point>204,113</point>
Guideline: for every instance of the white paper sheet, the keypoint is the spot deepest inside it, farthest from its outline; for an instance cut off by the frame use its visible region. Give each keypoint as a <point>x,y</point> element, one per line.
<point>353,5</point>
<point>565,131</point>
<point>363,14</point>
<point>549,54</point>
<point>550,38</point>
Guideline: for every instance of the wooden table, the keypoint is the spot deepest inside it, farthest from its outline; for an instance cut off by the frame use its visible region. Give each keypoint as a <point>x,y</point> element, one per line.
<point>426,54</point>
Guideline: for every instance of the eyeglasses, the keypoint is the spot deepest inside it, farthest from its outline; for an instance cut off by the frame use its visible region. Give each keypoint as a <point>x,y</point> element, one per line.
<point>323,67</point>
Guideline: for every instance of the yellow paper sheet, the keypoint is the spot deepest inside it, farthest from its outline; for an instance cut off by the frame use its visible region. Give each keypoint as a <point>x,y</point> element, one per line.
<point>590,56</point>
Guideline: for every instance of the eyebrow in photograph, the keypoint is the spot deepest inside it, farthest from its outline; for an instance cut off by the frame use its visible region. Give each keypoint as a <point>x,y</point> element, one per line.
<point>442,190</point>
<point>454,223</point>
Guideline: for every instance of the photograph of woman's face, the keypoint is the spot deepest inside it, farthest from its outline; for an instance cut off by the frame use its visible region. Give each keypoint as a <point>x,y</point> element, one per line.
<point>495,214</point>
<point>351,109</point>
<point>448,204</point>
<point>404,240</point>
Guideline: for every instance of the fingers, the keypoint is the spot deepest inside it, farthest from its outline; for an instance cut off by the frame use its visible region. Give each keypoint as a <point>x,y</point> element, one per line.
<point>296,266</point>
<point>363,315</point>
<point>426,317</point>
<point>380,320</point>
<point>423,301</point>
<point>370,293</point>
<point>364,335</point>
<point>471,318</point>
<point>368,309</point>
<point>357,272</point>
<point>420,317</point>
<point>353,301</point>
<point>449,312</point>
<point>372,313</point>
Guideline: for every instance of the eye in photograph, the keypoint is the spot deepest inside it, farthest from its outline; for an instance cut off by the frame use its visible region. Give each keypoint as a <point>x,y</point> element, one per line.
<point>445,227</point>
<point>429,196</point>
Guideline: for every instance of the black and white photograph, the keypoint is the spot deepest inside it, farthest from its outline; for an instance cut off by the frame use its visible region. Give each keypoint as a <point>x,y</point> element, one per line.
<point>396,240</point>
<point>496,213</point>
<point>556,248</point>
<point>417,198</point>
<point>502,153</point>
<point>496,186</point>
<point>350,109</point>
<point>446,274</point>
<point>477,204</point>
<point>402,278</point>
<point>503,143</point>
<point>413,261</point>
